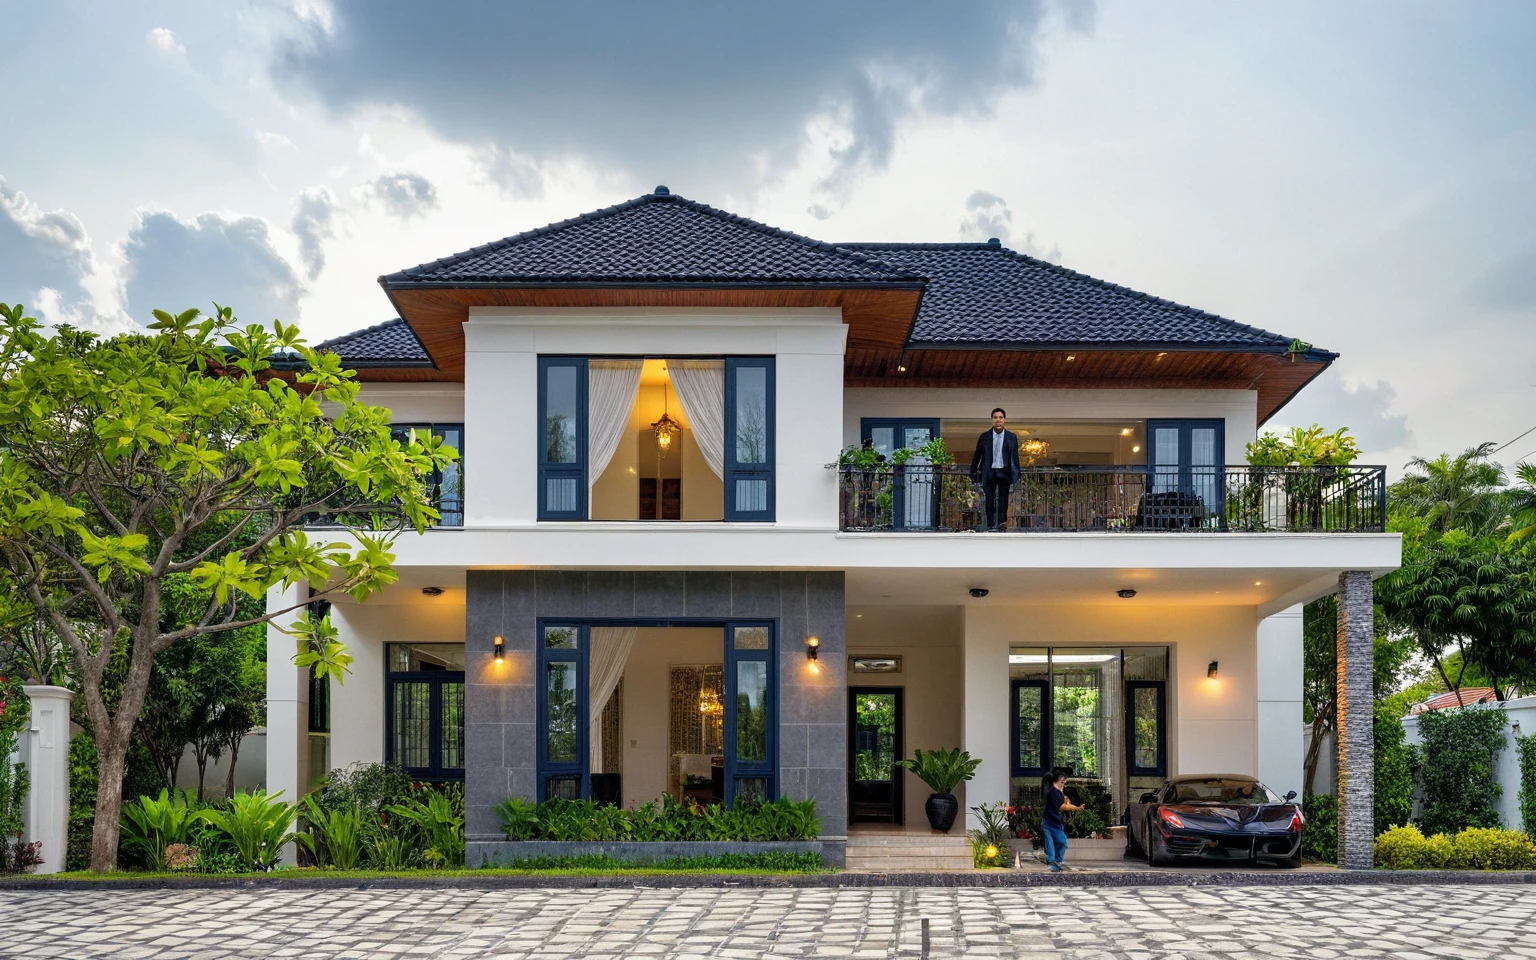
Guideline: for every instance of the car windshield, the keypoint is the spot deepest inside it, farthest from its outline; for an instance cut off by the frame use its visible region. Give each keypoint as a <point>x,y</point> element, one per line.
<point>1221,790</point>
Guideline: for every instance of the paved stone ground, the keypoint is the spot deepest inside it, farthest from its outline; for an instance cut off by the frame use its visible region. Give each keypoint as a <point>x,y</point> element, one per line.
<point>1083,923</point>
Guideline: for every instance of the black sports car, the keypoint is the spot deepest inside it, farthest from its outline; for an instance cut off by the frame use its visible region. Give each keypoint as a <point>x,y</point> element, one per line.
<point>1216,816</point>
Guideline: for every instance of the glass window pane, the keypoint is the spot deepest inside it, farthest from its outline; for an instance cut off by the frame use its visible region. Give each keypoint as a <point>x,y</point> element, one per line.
<point>874,737</point>
<point>562,494</point>
<point>751,496</point>
<point>451,745</point>
<point>751,415</point>
<point>1084,681</point>
<point>1144,728</point>
<point>1029,724</point>
<point>915,437</point>
<point>560,638</point>
<point>1202,446</point>
<point>751,710</point>
<point>562,788</point>
<point>425,657</point>
<point>450,487</point>
<point>413,724</point>
<point>1165,457</point>
<point>751,638</point>
<point>560,397</point>
<point>752,788</point>
<point>560,694</point>
<point>883,439</point>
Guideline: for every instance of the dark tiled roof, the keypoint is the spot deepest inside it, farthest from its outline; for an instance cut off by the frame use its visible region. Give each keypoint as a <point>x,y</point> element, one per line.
<point>656,238</point>
<point>391,342</point>
<point>980,293</point>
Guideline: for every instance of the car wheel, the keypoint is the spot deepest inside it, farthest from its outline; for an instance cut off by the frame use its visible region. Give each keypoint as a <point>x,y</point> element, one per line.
<point>1156,856</point>
<point>1290,863</point>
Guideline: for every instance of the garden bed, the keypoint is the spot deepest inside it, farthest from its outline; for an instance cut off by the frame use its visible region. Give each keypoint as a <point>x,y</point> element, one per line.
<point>512,853</point>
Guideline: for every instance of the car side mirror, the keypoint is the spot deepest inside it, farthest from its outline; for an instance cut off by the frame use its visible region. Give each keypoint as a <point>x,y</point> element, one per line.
<point>1149,798</point>
<point>1291,795</point>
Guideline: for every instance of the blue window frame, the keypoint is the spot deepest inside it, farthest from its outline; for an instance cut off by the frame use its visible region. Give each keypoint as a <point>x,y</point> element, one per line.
<point>749,438</point>
<point>1146,728</point>
<point>751,716</point>
<point>446,486</point>
<point>1029,717</point>
<point>562,438</point>
<point>424,716</point>
<point>1186,462</point>
<point>914,488</point>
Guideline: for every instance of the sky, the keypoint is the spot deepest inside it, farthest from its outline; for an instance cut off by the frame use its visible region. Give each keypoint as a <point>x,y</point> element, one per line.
<point>1360,175</point>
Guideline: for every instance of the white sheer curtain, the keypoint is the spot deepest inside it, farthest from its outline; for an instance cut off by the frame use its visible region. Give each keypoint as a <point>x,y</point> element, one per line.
<point>701,387</point>
<point>612,386</point>
<point>609,652</point>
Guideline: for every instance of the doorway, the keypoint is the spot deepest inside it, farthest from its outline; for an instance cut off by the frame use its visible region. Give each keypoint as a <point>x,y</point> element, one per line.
<point>875,722</point>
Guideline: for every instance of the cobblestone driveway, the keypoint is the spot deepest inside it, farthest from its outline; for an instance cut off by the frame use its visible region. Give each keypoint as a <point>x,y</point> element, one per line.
<point>1076,922</point>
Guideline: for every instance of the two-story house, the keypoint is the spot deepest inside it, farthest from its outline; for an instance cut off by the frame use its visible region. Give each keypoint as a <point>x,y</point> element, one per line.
<point>654,577</point>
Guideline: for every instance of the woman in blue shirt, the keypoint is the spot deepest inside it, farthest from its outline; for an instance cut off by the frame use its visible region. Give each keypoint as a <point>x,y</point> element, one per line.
<point>1051,824</point>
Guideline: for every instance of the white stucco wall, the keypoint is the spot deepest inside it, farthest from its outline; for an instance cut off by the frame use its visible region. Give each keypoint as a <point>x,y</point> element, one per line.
<point>502,347</point>
<point>1239,408</point>
<point>417,402</point>
<point>1280,753</point>
<point>357,703</point>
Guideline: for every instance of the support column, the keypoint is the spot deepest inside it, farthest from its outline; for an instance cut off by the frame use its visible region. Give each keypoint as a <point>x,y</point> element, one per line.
<point>985,729</point>
<point>1280,753</point>
<point>1356,779</point>
<point>46,810</point>
<point>287,707</point>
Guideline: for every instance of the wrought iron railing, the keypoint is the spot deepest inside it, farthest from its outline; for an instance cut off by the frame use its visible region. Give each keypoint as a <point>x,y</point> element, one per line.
<point>1210,499</point>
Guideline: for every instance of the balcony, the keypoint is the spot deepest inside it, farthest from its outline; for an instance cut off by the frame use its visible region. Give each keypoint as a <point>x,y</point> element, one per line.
<point>1242,499</point>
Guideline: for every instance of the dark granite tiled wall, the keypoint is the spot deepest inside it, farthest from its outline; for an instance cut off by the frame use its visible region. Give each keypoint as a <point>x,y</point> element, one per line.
<point>501,702</point>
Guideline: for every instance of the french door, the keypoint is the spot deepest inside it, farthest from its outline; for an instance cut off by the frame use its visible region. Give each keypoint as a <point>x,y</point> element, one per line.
<point>1185,467</point>
<point>915,492</point>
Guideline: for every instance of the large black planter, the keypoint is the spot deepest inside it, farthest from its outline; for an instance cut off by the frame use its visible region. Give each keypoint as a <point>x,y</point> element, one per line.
<point>941,809</point>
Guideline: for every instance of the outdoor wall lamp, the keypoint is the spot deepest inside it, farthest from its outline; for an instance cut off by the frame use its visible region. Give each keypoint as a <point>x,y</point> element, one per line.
<point>501,647</point>
<point>812,650</point>
<point>1210,671</point>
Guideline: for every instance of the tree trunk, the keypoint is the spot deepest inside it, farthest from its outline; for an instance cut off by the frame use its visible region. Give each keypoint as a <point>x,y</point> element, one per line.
<point>111,767</point>
<point>234,756</point>
<point>1318,734</point>
<point>202,771</point>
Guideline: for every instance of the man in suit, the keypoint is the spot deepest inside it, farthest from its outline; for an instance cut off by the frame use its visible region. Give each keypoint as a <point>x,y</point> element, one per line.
<point>995,466</point>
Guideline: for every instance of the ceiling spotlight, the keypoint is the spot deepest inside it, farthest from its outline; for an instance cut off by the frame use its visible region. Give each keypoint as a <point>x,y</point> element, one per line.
<point>901,368</point>
<point>1071,357</point>
<point>1126,431</point>
<point>1125,594</point>
<point>979,592</point>
<point>432,591</point>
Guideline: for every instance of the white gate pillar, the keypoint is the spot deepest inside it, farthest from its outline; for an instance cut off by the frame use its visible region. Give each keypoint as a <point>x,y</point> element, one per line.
<point>46,810</point>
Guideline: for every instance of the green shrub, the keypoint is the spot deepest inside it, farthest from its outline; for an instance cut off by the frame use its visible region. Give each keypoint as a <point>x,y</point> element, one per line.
<point>941,770</point>
<point>257,825</point>
<point>140,779</point>
<point>1527,746</point>
<point>15,712</point>
<point>1395,762</point>
<point>1095,817</point>
<point>337,835</point>
<point>1479,848</point>
<point>587,820</point>
<point>1460,790</point>
<point>786,862</point>
<point>368,786</point>
<point>150,824</point>
<point>1320,832</point>
<point>439,821</point>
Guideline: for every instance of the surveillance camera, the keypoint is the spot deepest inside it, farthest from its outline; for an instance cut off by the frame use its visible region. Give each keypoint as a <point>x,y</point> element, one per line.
<point>979,592</point>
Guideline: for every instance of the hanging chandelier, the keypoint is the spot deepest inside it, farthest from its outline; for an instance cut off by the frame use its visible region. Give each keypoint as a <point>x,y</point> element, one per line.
<point>666,426</point>
<point>1033,449</point>
<point>709,702</point>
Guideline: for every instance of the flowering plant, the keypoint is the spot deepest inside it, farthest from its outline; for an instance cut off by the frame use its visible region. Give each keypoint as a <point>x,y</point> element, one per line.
<point>1023,821</point>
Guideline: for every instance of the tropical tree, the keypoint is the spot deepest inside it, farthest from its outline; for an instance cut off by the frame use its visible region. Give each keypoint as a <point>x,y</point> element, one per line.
<point>120,452</point>
<point>1463,492</point>
<point>1522,503</point>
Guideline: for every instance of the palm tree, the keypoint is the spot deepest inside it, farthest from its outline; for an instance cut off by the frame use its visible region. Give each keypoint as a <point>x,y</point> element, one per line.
<point>1461,492</point>
<point>1522,503</point>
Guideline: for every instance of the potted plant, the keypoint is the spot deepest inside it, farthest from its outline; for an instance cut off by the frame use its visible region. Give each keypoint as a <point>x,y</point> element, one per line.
<point>941,770</point>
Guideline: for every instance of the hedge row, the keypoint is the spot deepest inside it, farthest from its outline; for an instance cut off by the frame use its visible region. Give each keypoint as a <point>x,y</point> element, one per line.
<point>1476,848</point>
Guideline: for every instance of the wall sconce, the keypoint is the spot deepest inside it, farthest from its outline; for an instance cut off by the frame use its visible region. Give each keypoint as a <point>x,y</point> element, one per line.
<point>501,647</point>
<point>812,651</point>
<point>1210,671</point>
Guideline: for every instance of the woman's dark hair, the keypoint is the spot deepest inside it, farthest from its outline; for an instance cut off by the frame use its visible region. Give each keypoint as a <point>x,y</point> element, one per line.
<point>998,410</point>
<point>1054,774</point>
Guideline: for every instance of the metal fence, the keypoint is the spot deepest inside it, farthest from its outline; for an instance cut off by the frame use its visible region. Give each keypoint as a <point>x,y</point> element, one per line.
<point>1211,499</point>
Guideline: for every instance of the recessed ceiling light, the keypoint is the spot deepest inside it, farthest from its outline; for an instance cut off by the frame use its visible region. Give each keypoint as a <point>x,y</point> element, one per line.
<point>1125,431</point>
<point>858,616</point>
<point>1159,357</point>
<point>1071,357</point>
<point>901,368</point>
<point>1136,448</point>
<point>1258,583</point>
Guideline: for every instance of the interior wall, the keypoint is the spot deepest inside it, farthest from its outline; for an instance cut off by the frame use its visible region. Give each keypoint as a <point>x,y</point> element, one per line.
<point>928,641</point>
<point>616,494</point>
<point>647,696</point>
<point>357,706</point>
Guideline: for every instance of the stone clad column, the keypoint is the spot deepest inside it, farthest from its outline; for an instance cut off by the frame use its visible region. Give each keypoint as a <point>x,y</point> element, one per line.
<point>46,811</point>
<point>1356,754</point>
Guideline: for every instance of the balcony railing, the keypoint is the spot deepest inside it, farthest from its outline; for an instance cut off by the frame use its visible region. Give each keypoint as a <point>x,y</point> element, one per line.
<point>1240,499</point>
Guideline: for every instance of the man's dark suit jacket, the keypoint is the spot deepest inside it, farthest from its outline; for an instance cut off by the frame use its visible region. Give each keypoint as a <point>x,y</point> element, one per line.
<point>983,456</point>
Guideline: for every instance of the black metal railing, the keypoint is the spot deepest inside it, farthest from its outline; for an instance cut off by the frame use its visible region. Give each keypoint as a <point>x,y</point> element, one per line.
<point>1211,499</point>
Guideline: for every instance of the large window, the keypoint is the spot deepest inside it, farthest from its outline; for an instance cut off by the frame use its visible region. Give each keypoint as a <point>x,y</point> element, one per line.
<point>656,438</point>
<point>424,707</point>
<point>445,486</point>
<point>1186,463</point>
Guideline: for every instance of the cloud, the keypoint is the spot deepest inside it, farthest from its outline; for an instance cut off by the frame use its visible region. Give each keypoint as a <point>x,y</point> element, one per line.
<point>1365,408</point>
<point>702,97</point>
<point>987,216</point>
<point>1509,286</point>
<point>46,259</point>
<point>404,194</point>
<point>314,222</point>
<point>274,142</point>
<point>172,264</point>
<point>164,40</point>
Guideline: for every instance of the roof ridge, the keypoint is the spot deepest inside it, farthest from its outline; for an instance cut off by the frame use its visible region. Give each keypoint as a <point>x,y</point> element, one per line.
<point>642,200</point>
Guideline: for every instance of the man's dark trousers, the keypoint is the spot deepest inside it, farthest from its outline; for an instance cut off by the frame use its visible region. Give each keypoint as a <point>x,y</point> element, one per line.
<point>995,482</point>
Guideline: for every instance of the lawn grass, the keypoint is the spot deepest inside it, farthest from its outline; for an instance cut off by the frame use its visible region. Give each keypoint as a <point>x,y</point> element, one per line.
<point>308,873</point>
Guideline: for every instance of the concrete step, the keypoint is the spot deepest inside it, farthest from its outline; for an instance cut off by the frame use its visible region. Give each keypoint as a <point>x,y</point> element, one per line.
<point>908,865</point>
<point>893,852</point>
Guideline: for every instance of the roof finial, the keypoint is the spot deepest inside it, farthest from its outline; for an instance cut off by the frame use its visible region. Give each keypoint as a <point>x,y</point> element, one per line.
<point>662,191</point>
<point>994,242</point>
